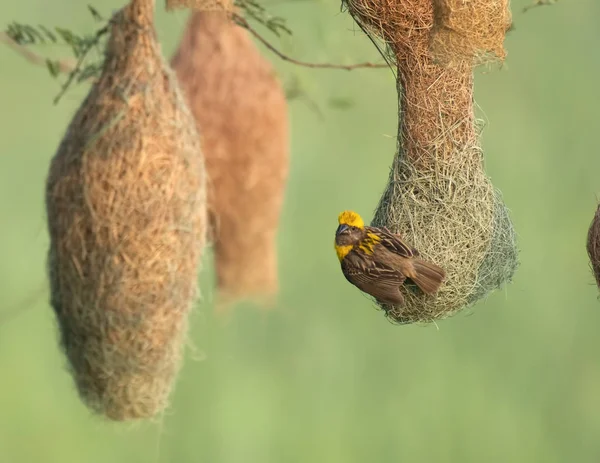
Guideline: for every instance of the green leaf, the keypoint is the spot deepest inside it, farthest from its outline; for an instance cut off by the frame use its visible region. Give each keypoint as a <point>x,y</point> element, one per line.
<point>37,36</point>
<point>48,33</point>
<point>91,70</point>
<point>53,67</point>
<point>97,16</point>
<point>68,37</point>
<point>80,45</point>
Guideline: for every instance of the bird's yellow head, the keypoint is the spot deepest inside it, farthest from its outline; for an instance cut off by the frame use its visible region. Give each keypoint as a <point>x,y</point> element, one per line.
<point>351,219</point>
<point>350,232</point>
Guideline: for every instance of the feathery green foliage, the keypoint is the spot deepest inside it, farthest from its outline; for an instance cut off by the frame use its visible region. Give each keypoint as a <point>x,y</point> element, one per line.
<point>86,67</point>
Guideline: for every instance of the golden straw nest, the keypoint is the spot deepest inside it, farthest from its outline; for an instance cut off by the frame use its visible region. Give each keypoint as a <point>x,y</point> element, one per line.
<point>126,213</point>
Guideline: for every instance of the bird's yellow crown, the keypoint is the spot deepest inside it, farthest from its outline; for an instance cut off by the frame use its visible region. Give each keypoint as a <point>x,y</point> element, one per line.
<point>351,219</point>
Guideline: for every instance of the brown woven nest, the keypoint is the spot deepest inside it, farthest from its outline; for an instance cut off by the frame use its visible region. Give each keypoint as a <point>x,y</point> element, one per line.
<point>241,111</point>
<point>593,245</point>
<point>438,196</point>
<point>470,30</point>
<point>126,212</point>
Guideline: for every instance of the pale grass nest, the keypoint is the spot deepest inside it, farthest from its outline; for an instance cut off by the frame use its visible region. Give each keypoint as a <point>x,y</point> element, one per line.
<point>452,214</point>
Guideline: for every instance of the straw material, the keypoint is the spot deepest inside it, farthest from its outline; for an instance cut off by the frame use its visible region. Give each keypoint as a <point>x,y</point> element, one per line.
<point>126,212</point>
<point>241,110</point>
<point>470,30</point>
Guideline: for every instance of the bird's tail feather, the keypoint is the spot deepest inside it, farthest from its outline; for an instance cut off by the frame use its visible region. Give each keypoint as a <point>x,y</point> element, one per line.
<point>427,276</point>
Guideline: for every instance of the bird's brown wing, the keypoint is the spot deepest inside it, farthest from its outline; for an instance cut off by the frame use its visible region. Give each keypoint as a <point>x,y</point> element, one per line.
<point>393,242</point>
<point>379,280</point>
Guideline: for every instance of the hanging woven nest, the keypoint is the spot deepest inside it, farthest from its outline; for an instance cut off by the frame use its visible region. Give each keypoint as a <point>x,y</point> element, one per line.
<point>438,197</point>
<point>126,213</point>
<point>242,115</point>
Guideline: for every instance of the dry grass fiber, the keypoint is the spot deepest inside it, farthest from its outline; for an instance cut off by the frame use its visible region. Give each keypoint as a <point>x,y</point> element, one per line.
<point>241,110</point>
<point>126,212</point>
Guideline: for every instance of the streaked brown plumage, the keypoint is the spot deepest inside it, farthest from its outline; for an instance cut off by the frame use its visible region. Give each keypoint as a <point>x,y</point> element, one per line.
<point>377,261</point>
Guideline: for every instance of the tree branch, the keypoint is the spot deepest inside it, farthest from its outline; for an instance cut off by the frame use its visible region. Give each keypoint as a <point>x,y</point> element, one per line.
<point>242,22</point>
<point>69,66</point>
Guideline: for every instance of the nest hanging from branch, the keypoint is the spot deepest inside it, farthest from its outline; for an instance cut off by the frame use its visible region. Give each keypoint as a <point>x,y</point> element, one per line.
<point>438,196</point>
<point>241,111</point>
<point>126,213</point>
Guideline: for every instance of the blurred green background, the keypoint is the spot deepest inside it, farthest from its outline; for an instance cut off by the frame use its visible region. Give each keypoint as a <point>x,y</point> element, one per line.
<point>326,378</point>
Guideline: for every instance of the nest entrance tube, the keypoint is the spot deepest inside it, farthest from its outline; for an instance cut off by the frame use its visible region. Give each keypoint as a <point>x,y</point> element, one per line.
<point>438,196</point>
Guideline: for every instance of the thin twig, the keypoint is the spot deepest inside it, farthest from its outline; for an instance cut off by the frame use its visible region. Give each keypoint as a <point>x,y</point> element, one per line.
<point>64,66</point>
<point>241,21</point>
<point>78,65</point>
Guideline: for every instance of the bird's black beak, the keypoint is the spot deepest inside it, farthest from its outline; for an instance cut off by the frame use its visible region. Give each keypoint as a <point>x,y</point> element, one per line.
<point>342,228</point>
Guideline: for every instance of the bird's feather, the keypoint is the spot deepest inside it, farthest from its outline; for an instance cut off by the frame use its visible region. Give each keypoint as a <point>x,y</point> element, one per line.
<point>392,242</point>
<point>379,280</point>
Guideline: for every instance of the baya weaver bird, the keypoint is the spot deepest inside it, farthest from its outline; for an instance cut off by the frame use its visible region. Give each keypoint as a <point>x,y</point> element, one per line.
<point>378,262</point>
